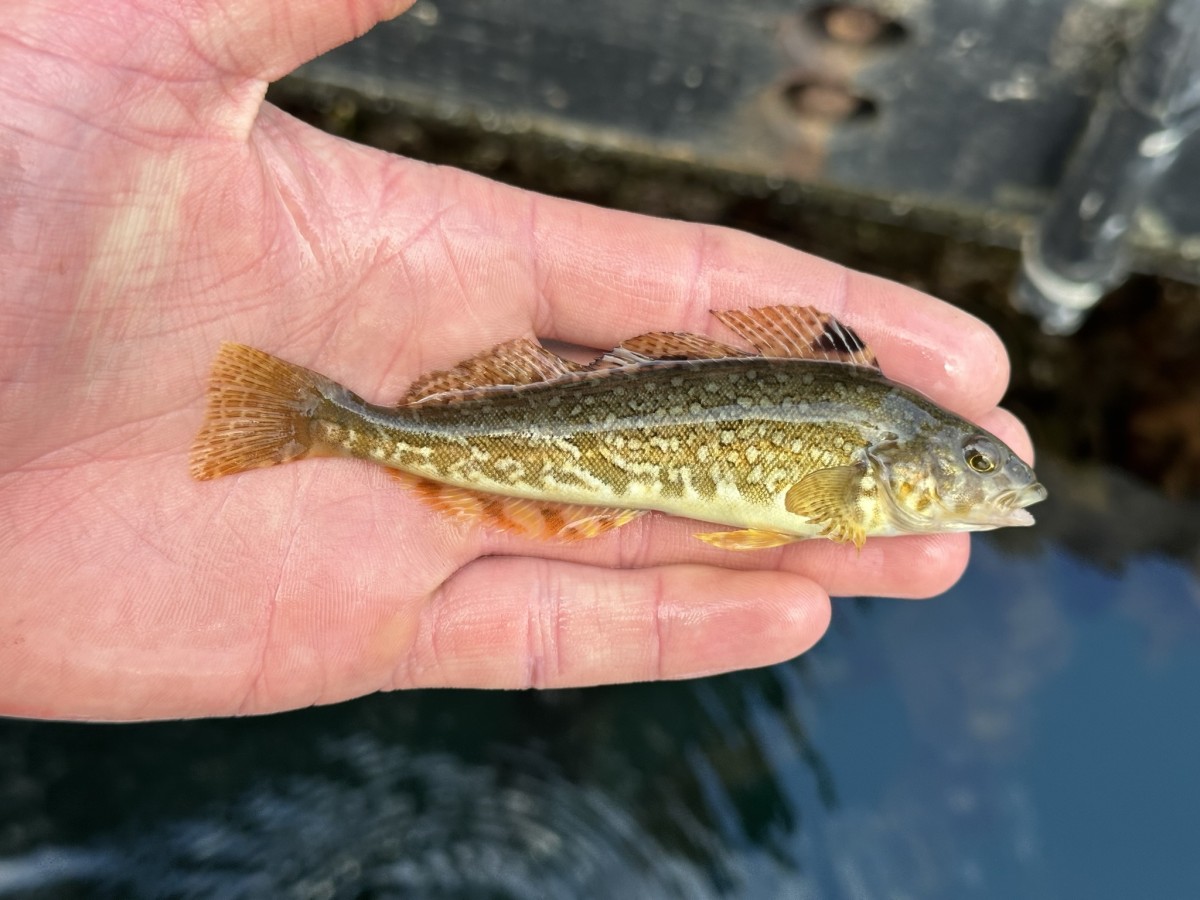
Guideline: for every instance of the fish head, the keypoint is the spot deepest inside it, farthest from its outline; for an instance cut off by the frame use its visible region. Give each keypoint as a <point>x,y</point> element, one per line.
<point>955,478</point>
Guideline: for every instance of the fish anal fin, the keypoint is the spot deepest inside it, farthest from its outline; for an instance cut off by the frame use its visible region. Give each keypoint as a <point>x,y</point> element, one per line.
<point>828,498</point>
<point>798,332</point>
<point>538,519</point>
<point>583,522</point>
<point>513,363</point>
<point>746,539</point>
<point>667,345</point>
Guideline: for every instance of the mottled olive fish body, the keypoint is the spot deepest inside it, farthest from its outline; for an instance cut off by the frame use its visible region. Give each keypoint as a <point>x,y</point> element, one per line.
<point>733,435</point>
<point>806,437</point>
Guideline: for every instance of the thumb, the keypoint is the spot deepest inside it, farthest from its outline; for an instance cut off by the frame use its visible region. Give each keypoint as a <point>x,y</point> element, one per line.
<point>267,39</point>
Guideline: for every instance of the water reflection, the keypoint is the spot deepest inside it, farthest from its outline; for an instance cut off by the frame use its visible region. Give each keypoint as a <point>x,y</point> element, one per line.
<point>1026,736</point>
<point>375,820</point>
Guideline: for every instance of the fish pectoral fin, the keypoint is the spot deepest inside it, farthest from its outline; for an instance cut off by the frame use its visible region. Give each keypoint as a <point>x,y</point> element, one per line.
<point>538,519</point>
<point>746,539</point>
<point>513,363</point>
<point>798,332</point>
<point>829,499</point>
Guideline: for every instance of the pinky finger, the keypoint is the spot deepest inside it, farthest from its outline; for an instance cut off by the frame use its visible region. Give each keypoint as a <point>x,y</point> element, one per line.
<point>510,622</point>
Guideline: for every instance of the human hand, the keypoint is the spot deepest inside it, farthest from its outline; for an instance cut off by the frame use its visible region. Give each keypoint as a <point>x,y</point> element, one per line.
<point>152,206</point>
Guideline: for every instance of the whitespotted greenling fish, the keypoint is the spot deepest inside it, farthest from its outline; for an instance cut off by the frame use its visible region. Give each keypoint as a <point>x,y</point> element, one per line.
<point>801,437</point>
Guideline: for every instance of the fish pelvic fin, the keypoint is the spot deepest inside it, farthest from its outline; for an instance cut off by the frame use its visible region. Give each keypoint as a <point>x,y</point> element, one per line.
<point>259,412</point>
<point>537,519</point>
<point>746,539</point>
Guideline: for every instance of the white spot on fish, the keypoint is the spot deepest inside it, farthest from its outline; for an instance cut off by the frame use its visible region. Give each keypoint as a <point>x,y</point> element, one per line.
<point>594,485</point>
<point>664,444</point>
<point>568,448</point>
<point>727,490</point>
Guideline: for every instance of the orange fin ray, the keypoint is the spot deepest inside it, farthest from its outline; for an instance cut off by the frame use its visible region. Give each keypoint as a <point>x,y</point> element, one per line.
<point>538,519</point>
<point>511,364</point>
<point>667,345</point>
<point>747,539</point>
<point>259,412</point>
<point>798,332</point>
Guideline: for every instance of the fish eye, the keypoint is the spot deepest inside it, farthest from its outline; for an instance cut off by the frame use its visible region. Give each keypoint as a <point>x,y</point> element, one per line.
<point>981,454</point>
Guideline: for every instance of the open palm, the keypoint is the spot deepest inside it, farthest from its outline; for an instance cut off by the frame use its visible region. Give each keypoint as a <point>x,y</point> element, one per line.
<point>151,206</point>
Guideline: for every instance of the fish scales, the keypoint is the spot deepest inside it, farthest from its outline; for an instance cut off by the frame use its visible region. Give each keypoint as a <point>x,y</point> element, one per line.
<point>671,434</point>
<point>805,437</point>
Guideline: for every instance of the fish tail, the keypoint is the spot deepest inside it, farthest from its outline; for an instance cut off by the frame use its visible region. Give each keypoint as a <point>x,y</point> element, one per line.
<point>260,409</point>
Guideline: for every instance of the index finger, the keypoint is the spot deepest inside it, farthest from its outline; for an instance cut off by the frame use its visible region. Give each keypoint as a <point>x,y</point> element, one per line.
<point>495,262</point>
<point>606,276</point>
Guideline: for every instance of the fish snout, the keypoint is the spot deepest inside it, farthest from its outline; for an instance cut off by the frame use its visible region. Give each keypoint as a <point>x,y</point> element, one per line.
<point>1030,494</point>
<point>1011,504</point>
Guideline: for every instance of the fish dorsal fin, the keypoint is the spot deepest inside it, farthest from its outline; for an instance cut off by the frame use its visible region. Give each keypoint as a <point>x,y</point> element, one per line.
<point>798,332</point>
<point>515,362</point>
<point>663,345</point>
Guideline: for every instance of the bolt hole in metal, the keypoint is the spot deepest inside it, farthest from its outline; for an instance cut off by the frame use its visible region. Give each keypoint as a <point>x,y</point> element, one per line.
<point>819,94</point>
<point>857,26</point>
<point>814,99</point>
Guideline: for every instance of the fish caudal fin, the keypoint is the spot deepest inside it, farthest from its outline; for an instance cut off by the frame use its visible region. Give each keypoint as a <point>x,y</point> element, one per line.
<point>259,411</point>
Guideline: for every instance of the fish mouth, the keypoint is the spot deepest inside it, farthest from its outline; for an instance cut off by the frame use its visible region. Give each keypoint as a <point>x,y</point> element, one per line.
<point>1010,506</point>
<point>1004,510</point>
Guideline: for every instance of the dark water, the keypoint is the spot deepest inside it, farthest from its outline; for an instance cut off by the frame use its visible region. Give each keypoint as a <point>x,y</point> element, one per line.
<point>1033,734</point>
